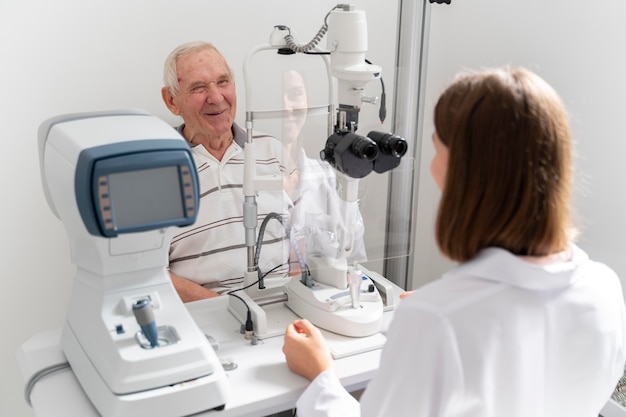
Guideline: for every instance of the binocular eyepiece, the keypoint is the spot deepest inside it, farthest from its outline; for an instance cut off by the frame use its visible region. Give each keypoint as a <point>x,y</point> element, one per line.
<point>389,144</point>
<point>356,156</point>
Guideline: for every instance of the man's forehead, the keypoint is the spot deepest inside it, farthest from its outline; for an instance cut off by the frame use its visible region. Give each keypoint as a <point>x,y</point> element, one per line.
<point>206,62</point>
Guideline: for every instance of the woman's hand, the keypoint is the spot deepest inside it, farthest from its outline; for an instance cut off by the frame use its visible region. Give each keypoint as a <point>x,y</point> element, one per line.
<point>406,294</point>
<point>305,350</point>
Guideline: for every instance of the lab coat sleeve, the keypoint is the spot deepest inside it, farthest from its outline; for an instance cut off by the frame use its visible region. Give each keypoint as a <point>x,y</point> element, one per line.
<point>326,397</point>
<point>420,372</point>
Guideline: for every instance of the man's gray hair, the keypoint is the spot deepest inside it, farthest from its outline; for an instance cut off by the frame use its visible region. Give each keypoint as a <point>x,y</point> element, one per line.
<point>170,75</point>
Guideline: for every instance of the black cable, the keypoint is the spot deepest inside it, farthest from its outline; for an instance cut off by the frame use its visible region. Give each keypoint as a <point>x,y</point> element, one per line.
<point>382,111</point>
<point>255,282</point>
<point>249,325</point>
<point>248,328</point>
<point>231,293</point>
<point>307,49</point>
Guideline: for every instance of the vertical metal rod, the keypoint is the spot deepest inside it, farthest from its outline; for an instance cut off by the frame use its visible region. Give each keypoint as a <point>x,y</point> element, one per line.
<point>413,29</point>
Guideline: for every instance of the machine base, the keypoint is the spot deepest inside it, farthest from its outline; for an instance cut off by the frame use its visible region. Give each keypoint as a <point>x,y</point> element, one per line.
<point>188,397</point>
<point>331,308</point>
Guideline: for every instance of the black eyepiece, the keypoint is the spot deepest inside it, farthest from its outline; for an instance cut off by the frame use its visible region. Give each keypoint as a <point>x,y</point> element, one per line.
<point>364,147</point>
<point>357,156</point>
<point>389,143</point>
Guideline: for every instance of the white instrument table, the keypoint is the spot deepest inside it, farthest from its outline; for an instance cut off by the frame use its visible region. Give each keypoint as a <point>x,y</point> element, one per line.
<point>261,383</point>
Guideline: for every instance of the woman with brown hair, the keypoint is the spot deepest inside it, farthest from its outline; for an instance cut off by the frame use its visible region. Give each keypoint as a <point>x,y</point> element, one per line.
<point>526,324</point>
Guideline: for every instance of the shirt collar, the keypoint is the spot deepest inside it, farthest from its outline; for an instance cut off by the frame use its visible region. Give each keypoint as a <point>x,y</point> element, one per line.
<point>496,264</point>
<point>239,134</point>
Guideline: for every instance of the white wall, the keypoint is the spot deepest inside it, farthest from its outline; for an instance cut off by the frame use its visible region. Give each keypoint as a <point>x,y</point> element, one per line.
<point>578,47</point>
<point>71,55</point>
<point>68,56</point>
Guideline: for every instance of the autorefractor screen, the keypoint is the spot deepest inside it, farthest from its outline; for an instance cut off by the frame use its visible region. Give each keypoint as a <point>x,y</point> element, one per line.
<point>146,196</point>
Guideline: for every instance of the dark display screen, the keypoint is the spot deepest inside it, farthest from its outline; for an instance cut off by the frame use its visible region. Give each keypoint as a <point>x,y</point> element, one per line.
<point>145,196</point>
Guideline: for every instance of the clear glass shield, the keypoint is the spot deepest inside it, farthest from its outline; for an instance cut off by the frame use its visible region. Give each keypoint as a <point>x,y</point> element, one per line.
<point>333,216</point>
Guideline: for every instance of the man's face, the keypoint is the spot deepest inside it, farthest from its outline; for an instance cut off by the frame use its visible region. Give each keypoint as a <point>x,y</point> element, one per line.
<point>207,99</point>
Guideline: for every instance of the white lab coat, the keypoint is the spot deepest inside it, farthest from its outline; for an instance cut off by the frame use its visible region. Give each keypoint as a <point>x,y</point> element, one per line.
<point>327,223</point>
<point>496,336</point>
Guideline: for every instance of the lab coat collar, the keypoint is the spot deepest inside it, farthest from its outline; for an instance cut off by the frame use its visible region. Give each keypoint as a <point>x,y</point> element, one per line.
<point>496,264</point>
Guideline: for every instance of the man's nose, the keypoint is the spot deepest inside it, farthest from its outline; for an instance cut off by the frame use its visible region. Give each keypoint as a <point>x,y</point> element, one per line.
<point>213,94</point>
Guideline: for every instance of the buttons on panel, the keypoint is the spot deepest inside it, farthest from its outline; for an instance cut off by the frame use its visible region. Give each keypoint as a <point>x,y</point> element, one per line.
<point>188,191</point>
<point>104,203</point>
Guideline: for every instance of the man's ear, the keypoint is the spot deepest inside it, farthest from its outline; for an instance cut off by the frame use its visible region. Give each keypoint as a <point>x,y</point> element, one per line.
<point>169,101</point>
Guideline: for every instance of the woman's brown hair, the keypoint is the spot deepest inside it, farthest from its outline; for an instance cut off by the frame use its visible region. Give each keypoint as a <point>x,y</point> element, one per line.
<point>508,180</point>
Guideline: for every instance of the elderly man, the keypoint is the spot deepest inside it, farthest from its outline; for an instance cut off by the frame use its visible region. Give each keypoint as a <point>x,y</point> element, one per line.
<point>209,257</point>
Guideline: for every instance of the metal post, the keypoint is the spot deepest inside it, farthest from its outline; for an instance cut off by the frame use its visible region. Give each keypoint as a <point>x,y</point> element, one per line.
<point>413,29</point>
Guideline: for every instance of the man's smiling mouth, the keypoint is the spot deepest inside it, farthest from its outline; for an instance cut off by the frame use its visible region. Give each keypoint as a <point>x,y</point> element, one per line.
<point>215,113</point>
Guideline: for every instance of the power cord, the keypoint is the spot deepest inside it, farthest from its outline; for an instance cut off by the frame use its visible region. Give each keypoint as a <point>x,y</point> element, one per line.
<point>306,276</point>
<point>313,43</point>
<point>254,283</point>
<point>49,370</point>
<point>293,47</point>
<point>382,111</point>
<point>248,327</point>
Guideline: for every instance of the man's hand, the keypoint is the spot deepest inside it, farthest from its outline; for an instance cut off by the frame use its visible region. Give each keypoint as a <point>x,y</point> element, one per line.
<point>190,291</point>
<point>305,350</point>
